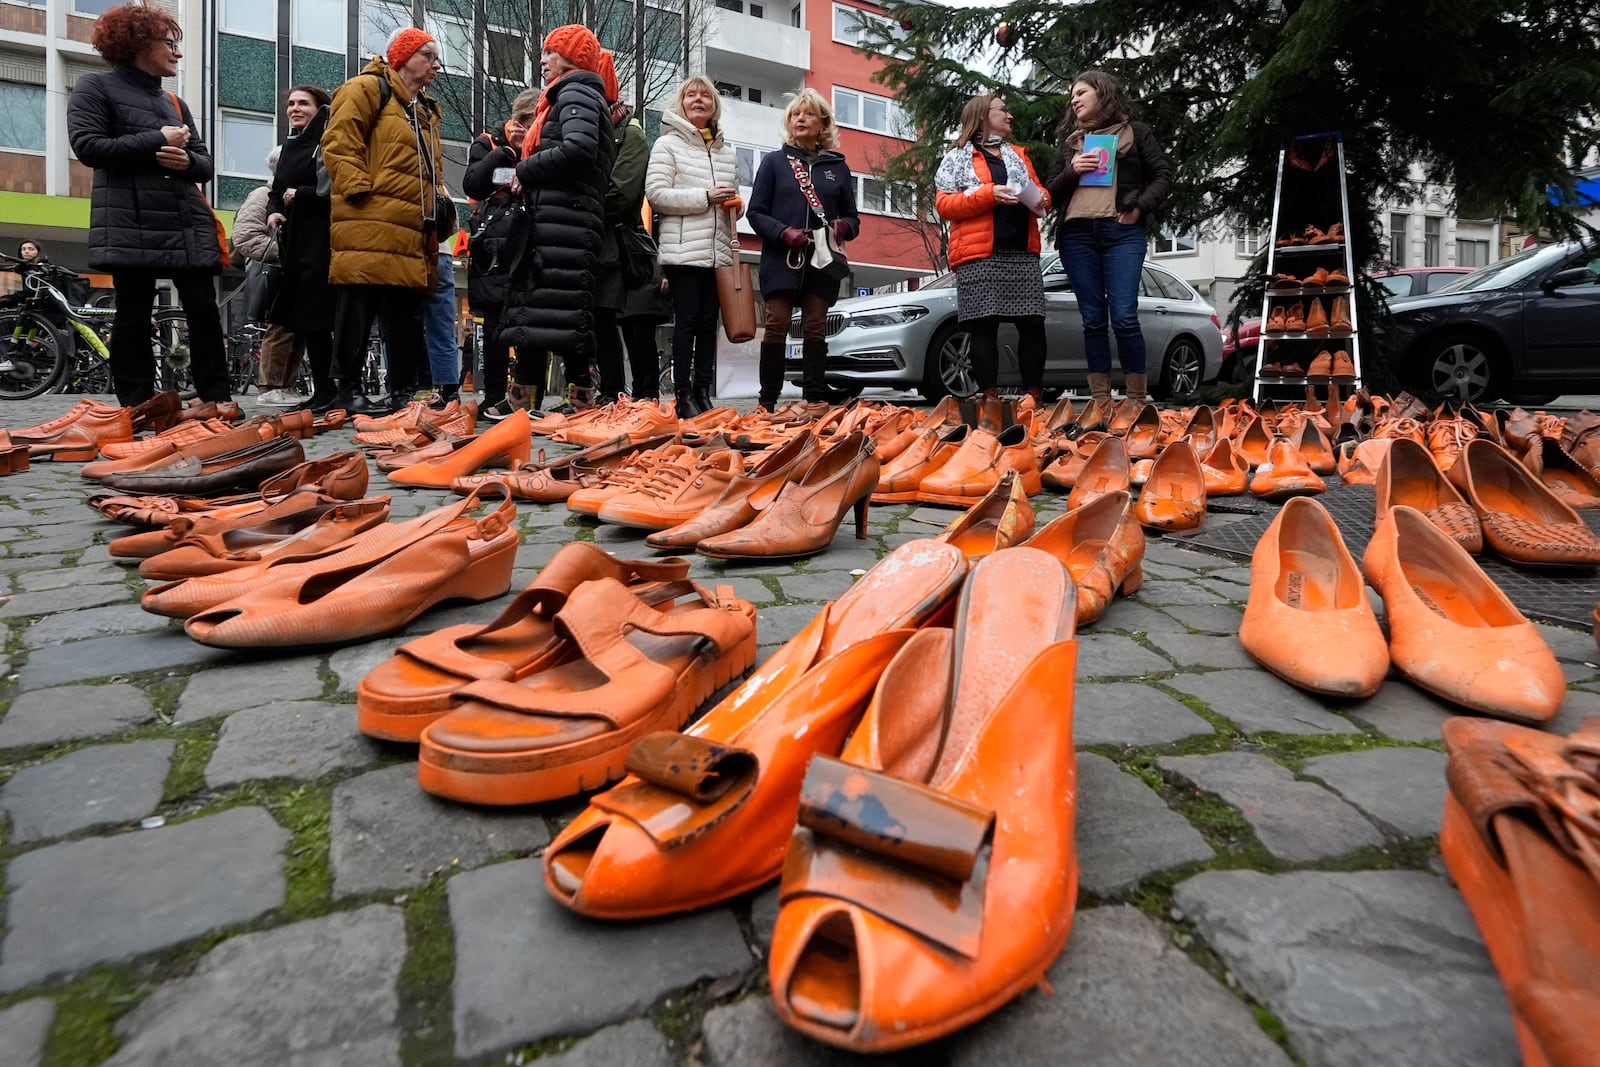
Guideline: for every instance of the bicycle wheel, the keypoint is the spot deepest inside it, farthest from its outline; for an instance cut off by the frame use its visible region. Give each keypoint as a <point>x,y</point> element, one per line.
<point>170,337</point>
<point>89,374</point>
<point>244,361</point>
<point>31,359</point>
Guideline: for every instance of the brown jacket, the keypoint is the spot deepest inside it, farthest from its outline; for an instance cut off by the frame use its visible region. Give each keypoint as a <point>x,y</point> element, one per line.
<point>381,196</point>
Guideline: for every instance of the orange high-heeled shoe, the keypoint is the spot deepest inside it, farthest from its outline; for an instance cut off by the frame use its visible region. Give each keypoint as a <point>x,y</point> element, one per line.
<point>1102,546</point>
<point>505,443</point>
<point>889,940</point>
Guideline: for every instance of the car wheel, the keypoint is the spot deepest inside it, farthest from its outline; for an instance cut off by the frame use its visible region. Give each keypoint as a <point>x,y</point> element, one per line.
<point>1185,367</point>
<point>1461,367</point>
<point>947,368</point>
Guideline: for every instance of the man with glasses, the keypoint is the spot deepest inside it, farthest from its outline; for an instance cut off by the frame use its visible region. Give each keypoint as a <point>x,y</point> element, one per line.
<point>381,150</point>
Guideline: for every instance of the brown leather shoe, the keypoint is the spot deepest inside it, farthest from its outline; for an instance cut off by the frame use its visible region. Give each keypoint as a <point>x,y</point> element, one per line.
<point>1102,545</point>
<point>76,436</point>
<point>1295,320</point>
<point>674,493</point>
<point>806,514</point>
<point>1522,520</point>
<point>1408,477</point>
<point>745,496</point>
<point>1316,318</point>
<point>1277,321</point>
<point>1343,366</point>
<point>899,479</point>
<point>977,466</point>
<point>209,475</point>
<point>1321,366</point>
<point>158,413</point>
<point>1339,318</point>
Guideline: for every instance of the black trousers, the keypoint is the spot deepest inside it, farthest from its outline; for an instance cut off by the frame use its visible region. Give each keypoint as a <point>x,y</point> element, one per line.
<point>496,357</point>
<point>608,356</point>
<point>133,363</point>
<point>644,361</point>
<point>400,310</point>
<point>694,326</point>
<point>986,350</point>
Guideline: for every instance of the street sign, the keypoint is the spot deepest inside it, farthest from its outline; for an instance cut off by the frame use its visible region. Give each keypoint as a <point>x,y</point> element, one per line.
<point>863,292</point>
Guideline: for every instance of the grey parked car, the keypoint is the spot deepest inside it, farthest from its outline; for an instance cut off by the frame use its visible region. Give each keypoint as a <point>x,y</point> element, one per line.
<point>913,340</point>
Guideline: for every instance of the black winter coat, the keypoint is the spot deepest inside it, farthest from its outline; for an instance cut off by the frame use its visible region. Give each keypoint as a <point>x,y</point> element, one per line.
<point>304,303</point>
<point>550,299</point>
<point>494,223</point>
<point>141,215</point>
<point>1144,176</point>
<point>777,203</point>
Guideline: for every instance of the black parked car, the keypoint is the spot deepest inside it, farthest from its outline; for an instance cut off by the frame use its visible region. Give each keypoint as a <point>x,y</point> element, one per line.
<point>1525,326</point>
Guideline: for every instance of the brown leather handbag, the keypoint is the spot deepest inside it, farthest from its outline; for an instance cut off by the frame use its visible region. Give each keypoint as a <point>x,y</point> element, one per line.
<point>737,297</point>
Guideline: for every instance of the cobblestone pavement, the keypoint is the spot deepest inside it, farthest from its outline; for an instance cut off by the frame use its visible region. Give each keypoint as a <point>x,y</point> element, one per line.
<point>205,863</point>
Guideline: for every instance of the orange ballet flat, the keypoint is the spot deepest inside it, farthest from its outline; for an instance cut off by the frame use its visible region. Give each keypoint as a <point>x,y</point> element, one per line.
<point>659,844</point>
<point>1225,471</point>
<point>1174,495</point>
<point>1105,472</point>
<point>1255,442</point>
<point>1000,520</point>
<point>1102,546</point>
<point>1143,439</point>
<point>400,696</point>
<point>1308,619</point>
<point>933,873</point>
<point>1285,474</point>
<point>1452,630</point>
<point>636,670</point>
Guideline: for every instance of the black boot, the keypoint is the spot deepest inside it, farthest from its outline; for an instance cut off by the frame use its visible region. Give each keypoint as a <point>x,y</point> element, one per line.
<point>814,372</point>
<point>683,386</point>
<point>353,400</point>
<point>771,371</point>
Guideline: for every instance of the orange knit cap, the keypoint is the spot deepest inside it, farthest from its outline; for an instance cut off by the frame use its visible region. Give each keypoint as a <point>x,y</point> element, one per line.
<point>608,74</point>
<point>576,44</point>
<point>405,45</point>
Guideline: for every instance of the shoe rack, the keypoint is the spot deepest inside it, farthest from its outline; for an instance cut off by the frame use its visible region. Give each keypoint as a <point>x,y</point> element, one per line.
<point>1308,314</point>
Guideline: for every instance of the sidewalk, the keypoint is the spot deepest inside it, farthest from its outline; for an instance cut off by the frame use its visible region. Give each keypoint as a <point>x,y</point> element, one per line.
<point>206,863</point>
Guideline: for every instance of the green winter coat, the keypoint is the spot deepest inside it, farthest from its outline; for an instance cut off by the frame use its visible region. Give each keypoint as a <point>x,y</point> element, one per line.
<point>624,201</point>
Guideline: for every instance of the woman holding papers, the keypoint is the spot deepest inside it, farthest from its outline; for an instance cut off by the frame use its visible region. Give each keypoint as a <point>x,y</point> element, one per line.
<point>988,190</point>
<point>1112,174</point>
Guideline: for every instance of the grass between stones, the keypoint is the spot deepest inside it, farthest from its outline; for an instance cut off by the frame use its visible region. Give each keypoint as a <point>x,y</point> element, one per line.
<point>427,976</point>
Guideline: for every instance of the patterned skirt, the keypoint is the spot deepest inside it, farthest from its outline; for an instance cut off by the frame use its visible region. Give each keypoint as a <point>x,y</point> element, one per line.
<point>1006,284</point>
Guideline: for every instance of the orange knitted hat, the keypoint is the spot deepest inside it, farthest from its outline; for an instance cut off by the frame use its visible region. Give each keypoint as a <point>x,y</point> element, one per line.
<point>576,44</point>
<point>608,74</point>
<point>405,45</point>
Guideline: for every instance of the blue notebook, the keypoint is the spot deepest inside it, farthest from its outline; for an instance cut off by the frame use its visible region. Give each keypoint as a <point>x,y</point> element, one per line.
<point>1105,146</point>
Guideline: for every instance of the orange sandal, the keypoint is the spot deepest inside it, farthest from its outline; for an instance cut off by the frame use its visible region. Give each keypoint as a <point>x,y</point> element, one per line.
<point>637,670</point>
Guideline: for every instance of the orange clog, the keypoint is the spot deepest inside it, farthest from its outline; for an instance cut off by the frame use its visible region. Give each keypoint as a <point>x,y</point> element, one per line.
<point>1408,476</point>
<point>405,693</point>
<point>745,496</point>
<point>1102,546</point>
<point>1519,839</point>
<point>503,444</point>
<point>888,938</point>
<point>1451,629</point>
<point>653,847</point>
<point>1174,495</point>
<point>1522,519</point>
<point>1285,474</point>
<point>1105,472</point>
<point>1308,619</point>
<point>635,669</point>
<point>1000,520</point>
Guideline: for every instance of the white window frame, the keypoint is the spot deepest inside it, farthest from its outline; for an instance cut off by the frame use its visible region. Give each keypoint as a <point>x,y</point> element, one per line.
<point>335,25</point>
<point>1397,252</point>
<point>254,7</point>
<point>1476,244</point>
<point>895,118</point>
<point>106,6</point>
<point>894,193</point>
<point>757,154</point>
<point>227,115</point>
<point>453,63</point>
<point>527,56</point>
<point>1168,244</point>
<point>1247,245</point>
<point>44,109</point>
<point>854,40</point>
<point>403,14</point>
<point>1432,241</point>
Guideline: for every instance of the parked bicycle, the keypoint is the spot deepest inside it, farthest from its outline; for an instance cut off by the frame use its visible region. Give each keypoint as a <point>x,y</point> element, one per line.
<point>50,342</point>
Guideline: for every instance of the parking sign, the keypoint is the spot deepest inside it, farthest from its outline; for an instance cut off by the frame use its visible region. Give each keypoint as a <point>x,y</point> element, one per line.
<point>863,292</point>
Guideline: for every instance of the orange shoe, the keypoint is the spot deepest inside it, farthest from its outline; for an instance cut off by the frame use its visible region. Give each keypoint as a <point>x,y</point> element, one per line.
<point>616,480</point>
<point>1062,472</point>
<point>655,846</point>
<point>1343,366</point>
<point>1308,619</point>
<point>674,493</point>
<point>1358,463</point>
<point>1000,520</point>
<point>1174,496</point>
<point>975,468</point>
<point>332,522</point>
<point>163,443</point>
<point>77,436</point>
<point>806,513</point>
<point>1522,520</point>
<point>212,438</point>
<point>1451,629</point>
<point>744,497</point>
<point>1321,365</point>
<point>882,944</point>
<point>1102,546</point>
<point>1314,446</point>
<point>1224,471</point>
<point>933,448</point>
<point>1143,439</point>
<point>1277,321</point>
<point>505,443</point>
<point>1255,442</point>
<point>1447,437</point>
<point>1407,477</point>
<point>1202,430</point>
<point>1105,472</point>
<point>239,532</point>
<point>1285,474</point>
<point>1295,320</point>
<point>1564,476</point>
<point>1522,853</point>
<point>633,669</point>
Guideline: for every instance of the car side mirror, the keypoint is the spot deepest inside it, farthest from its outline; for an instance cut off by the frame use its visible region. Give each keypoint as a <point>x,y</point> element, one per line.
<point>1057,283</point>
<point>1566,279</point>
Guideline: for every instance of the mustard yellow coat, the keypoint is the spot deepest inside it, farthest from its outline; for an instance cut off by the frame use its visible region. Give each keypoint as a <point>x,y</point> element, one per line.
<point>381,196</point>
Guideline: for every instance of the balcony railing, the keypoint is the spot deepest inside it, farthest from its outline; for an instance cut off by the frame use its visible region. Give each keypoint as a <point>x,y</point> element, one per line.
<point>764,40</point>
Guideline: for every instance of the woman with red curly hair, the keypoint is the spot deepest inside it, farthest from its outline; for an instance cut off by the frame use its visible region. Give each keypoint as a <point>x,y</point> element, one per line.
<point>147,219</point>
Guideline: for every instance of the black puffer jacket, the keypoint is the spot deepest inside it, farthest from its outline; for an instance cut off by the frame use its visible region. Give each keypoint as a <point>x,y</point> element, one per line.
<point>141,215</point>
<point>496,220</point>
<point>305,302</point>
<point>550,299</point>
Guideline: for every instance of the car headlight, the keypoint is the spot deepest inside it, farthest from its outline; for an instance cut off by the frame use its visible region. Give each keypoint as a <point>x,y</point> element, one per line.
<point>869,320</point>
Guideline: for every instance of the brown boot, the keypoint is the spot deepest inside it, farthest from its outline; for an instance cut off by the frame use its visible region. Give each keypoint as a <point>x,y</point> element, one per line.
<point>1137,386</point>
<point>1317,318</point>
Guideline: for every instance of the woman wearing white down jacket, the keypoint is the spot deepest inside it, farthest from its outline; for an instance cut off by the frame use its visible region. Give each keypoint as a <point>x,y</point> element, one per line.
<point>691,185</point>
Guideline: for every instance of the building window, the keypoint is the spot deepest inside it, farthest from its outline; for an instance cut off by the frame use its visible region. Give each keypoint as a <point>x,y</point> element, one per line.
<point>794,16</point>
<point>455,43</point>
<point>318,23</point>
<point>1168,243</point>
<point>246,140</point>
<point>21,117</point>
<point>729,89</point>
<point>507,56</point>
<point>849,24</point>
<point>864,111</point>
<point>1432,226</point>
<point>250,17</point>
<point>1246,245</point>
<point>378,23</point>
<point>879,197</point>
<point>93,7</point>
<point>1472,253</point>
<point>1398,224</point>
<point>749,161</point>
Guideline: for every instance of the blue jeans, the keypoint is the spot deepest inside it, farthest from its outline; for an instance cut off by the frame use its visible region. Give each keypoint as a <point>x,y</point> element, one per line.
<point>1103,258</point>
<point>439,325</point>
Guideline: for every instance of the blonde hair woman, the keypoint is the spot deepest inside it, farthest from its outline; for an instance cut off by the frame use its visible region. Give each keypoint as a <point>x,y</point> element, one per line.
<point>792,184</point>
<point>691,184</point>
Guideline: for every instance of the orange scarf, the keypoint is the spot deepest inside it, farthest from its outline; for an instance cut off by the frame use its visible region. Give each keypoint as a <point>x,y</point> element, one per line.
<point>531,141</point>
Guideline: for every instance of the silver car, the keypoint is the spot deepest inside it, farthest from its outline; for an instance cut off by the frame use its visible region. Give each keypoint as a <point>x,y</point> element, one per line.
<point>913,341</point>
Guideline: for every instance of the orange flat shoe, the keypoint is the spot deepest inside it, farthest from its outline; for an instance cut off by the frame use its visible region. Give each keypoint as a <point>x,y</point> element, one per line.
<point>674,493</point>
<point>503,444</point>
<point>349,596</point>
<point>225,439</point>
<point>1143,439</point>
<point>552,481</point>
<point>1285,474</point>
<point>1174,496</point>
<point>1314,447</point>
<point>1522,520</point>
<point>983,456</point>
<point>77,439</point>
<point>401,696</point>
<point>1308,619</point>
<point>1518,838</point>
<point>1452,630</point>
<point>745,497</point>
<point>195,555</point>
<point>637,670</point>
<point>274,521</point>
<point>1224,470</point>
<point>1000,520</point>
<point>1254,442</point>
<point>932,449</point>
<point>886,940</point>
<point>659,845</point>
<point>1105,472</point>
<point>1564,476</point>
<point>167,441</point>
<point>1102,546</point>
<point>1408,477</point>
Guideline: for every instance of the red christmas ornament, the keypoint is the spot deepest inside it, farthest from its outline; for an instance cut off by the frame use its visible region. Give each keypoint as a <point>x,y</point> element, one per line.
<point>1005,35</point>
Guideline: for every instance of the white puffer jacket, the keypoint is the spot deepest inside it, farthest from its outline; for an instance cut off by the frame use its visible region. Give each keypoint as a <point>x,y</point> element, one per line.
<point>683,168</point>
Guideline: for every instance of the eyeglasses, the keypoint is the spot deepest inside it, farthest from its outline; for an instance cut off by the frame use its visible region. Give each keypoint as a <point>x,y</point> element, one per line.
<point>431,56</point>
<point>172,43</point>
